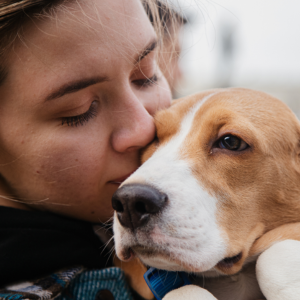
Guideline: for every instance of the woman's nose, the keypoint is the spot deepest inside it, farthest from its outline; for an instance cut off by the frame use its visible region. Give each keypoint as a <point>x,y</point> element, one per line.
<point>134,128</point>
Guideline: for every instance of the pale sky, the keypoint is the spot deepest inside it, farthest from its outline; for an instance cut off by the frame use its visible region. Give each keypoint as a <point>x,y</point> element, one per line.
<point>266,35</point>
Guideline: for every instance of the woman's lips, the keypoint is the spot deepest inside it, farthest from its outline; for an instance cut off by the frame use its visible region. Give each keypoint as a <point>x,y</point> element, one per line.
<point>119,180</point>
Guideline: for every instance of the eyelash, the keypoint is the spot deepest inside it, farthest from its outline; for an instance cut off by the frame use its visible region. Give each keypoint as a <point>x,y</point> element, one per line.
<point>75,121</point>
<point>147,81</point>
<point>80,119</point>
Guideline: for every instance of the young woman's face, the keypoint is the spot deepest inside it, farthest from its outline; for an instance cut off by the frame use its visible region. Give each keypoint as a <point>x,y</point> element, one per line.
<point>77,106</point>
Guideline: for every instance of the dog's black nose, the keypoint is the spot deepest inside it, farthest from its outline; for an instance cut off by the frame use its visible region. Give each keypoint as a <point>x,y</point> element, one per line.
<point>135,203</point>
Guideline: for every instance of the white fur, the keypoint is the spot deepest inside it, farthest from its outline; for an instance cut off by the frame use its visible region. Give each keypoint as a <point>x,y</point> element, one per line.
<point>278,271</point>
<point>189,292</point>
<point>187,229</point>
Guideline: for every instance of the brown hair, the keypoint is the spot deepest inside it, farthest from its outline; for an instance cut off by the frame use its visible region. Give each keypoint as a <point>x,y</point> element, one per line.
<point>15,13</point>
<point>166,15</point>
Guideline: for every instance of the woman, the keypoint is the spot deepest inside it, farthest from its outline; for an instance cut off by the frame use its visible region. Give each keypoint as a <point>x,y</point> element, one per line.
<point>79,88</point>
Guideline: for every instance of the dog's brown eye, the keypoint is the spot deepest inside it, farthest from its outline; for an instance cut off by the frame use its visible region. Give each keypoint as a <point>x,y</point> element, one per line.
<point>232,143</point>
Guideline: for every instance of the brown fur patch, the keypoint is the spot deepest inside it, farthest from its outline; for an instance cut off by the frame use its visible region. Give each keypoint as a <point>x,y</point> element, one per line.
<point>134,271</point>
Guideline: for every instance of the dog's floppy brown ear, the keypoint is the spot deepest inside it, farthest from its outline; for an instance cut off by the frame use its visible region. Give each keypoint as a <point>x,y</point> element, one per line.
<point>134,271</point>
<point>289,231</point>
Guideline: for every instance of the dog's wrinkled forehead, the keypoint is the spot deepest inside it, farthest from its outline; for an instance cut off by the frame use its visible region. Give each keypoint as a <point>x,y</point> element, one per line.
<point>194,122</point>
<point>261,111</point>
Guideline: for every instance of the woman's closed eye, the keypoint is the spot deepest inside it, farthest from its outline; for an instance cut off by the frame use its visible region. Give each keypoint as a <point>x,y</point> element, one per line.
<point>81,119</point>
<point>146,82</point>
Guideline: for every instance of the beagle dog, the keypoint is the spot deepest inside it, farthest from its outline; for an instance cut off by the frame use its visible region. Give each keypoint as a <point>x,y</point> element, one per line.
<point>218,196</point>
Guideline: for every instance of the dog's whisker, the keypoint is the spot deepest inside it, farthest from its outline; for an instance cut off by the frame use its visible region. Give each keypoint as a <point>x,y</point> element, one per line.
<point>107,244</point>
<point>112,251</point>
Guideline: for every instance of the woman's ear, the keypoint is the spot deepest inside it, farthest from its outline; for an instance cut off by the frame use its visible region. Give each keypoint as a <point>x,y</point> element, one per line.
<point>134,271</point>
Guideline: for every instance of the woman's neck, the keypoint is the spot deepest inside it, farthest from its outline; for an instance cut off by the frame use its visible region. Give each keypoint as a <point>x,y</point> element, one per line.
<point>13,203</point>
<point>6,199</point>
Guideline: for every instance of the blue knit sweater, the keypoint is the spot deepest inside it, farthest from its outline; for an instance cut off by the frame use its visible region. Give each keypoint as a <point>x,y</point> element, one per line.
<point>75,284</point>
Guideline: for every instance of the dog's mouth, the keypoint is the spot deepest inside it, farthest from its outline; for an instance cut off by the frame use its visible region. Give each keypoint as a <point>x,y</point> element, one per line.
<point>162,259</point>
<point>228,265</point>
<point>160,250</point>
<point>129,253</point>
<point>228,262</point>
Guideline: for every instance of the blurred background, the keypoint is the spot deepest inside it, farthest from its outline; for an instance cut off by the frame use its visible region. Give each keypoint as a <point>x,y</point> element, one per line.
<point>240,43</point>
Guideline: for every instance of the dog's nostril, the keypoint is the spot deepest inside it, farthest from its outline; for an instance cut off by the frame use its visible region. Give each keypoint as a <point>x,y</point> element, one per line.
<point>140,207</point>
<point>117,205</point>
<point>136,203</point>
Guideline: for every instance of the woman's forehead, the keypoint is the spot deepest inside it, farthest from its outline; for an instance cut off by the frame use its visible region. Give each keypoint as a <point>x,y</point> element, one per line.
<point>88,28</point>
<point>82,35</point>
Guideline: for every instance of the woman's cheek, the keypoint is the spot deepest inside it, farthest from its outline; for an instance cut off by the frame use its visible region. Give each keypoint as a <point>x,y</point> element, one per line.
<point>67,161</point>
<point>64,166</point>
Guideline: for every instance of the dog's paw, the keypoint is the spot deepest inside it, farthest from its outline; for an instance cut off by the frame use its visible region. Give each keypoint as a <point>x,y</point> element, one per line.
<point>189,292</point>
<point>278,271</point>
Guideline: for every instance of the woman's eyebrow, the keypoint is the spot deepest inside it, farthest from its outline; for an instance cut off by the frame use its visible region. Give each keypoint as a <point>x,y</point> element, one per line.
<point>148,49</point>
<point>75,86</point>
